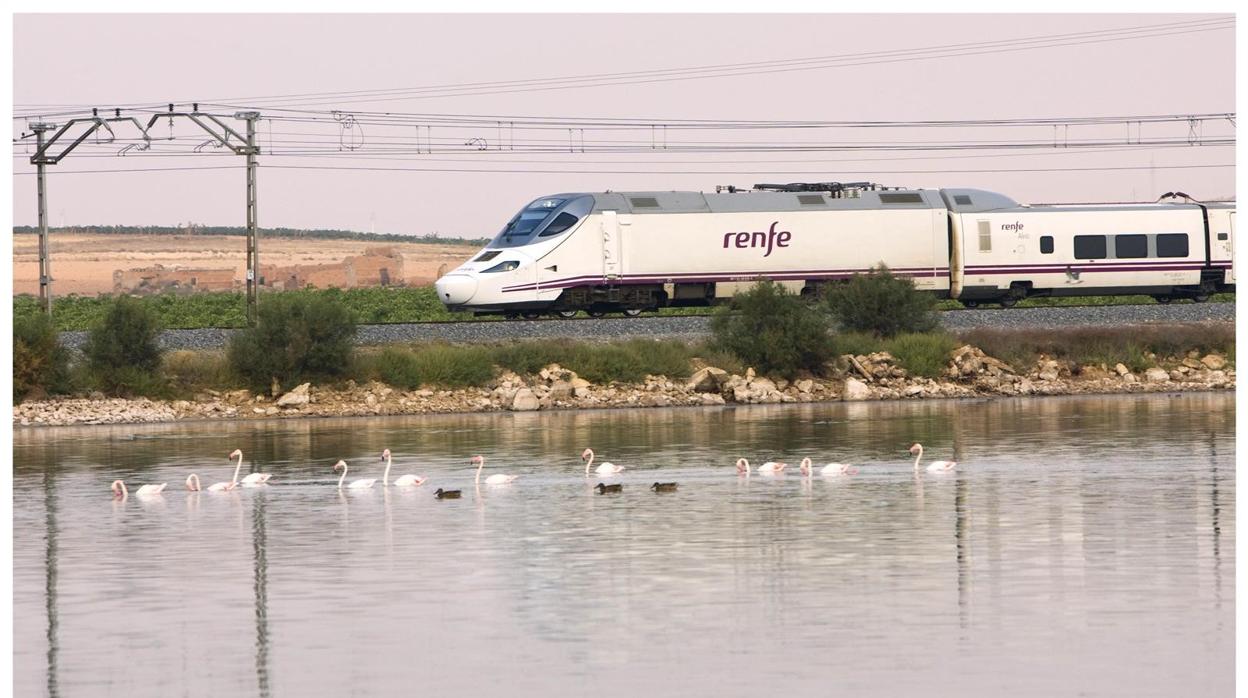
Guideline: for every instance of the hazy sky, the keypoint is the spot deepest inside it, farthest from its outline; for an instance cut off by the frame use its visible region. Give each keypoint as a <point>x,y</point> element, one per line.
<point>152,59</point>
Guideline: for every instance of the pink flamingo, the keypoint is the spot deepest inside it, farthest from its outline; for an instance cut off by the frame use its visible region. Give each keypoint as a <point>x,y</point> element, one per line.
<point>604,469</point>
<point>360,484</point>
<point>939,466</point>
<point>192,484</point>
<point>743,467</point>
<point>496,478</point>
<point>408,480</point>
<point>772,468</point>
<point>252,479</point>
<point>120,492</point>
<point>829,470</point>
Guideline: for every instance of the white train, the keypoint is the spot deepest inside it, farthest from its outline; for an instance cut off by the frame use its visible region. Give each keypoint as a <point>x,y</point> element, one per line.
<point>635,251</point>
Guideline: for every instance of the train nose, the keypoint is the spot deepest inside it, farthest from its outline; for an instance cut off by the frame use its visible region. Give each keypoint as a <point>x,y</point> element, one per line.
<point>456,289</point>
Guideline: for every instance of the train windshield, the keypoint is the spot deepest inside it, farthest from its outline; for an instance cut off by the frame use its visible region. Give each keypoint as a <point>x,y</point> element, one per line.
<point>544,217</point>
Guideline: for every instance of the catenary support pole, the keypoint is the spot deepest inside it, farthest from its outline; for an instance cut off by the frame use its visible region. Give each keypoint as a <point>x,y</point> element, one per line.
<point>253,260</point>
<point>45,260</point>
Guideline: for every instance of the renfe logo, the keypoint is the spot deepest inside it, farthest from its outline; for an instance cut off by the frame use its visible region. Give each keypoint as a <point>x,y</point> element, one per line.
<point>768,239</point>
<point>1012,226</point>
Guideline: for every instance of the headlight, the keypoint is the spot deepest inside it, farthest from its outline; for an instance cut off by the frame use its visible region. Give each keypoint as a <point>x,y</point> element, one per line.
<point>503,266</point>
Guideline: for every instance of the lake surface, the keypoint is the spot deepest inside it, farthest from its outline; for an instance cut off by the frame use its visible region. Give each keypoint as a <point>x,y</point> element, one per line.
<point>1085,546</point>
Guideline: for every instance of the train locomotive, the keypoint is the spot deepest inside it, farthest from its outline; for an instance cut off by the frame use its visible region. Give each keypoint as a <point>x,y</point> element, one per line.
<point>629,252</point>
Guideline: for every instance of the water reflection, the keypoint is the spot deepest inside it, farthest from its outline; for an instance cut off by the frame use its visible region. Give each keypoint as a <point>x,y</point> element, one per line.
<point>1090,532</point>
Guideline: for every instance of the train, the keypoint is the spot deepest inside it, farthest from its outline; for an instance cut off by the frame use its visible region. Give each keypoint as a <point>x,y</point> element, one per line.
<point>631,252</point>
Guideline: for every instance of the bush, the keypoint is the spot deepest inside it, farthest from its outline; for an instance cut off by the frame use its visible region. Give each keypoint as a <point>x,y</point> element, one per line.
<point>298,337</point>
<point>856,343</point>
<point>123,352</point>
<point>437,364</point>
<point>773,331</point>
<point>922,354</point>
<point>189,372</point>
<point>40,363</point>
<point>881,303</point>
<point>1129,345</point>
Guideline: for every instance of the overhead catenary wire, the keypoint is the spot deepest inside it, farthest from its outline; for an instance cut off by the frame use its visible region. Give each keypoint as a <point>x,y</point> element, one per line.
<point>272,102</point>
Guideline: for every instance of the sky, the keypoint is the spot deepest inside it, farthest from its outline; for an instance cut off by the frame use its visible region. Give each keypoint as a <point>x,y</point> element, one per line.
<point>352,160</point>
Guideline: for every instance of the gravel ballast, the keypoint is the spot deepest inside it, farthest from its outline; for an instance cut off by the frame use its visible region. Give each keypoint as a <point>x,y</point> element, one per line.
<point>698,327</point>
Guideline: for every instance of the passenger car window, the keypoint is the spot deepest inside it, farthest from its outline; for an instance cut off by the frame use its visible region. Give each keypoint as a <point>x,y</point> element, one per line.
<point>1090,247</point>
<point>1130,246</point>
<point>1172,245</point>
<point>1046,244</point>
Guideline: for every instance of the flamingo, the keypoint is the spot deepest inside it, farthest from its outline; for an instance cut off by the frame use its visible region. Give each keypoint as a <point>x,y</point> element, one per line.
<point>408,480</point>
<point>772,468</point>
<point>743,467</point>
<point>604,469</point>
<point>496,478</point>
<point>251,480</point>
<point>192,484</point>
<point>361,484</point>
<point>938,466</point>
<point>829,470</point>
<point>119,489</point>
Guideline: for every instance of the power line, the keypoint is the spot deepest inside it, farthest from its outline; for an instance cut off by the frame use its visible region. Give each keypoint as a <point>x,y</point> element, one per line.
<point>651,172</point>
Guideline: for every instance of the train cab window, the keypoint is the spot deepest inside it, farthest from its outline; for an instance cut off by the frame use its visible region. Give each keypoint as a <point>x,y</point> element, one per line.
<point>1130,246</point>
<point>1172,245</point>
<point>562,222</point>
<point>1222,236</point>
<point>1090,247</point>
<point>1046,244</point>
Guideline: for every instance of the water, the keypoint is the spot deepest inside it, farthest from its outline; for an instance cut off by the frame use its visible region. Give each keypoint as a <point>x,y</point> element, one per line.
<point>1085,546</point>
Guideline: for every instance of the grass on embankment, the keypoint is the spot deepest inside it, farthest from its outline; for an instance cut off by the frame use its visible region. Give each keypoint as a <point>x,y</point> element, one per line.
<point>445,366</point>
<point>376,306</point>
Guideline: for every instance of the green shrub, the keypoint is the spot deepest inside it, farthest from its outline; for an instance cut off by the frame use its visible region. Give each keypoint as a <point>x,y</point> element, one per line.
<point>123,352</point>
<point>298,337</point>
<point>40,363</point>
<point>189,372</point>
<point>856,343</point>
<point>773,331</point>
<point>436,364</point>
<point>527,358</point>
<point>881,303</point>
<point>922,354</point>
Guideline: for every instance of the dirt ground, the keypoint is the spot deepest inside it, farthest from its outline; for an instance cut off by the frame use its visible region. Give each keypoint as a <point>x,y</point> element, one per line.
<point>83,263</point>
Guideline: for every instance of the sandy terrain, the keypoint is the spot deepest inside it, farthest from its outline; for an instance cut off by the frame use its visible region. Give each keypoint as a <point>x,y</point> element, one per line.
<point>84,264</point>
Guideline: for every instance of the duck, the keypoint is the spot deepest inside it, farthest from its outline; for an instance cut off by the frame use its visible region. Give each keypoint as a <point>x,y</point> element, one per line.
<point>663,487</point>
<point>447,494</point>
<point>603,469</point>
<point>603,488</point>
<point>936,466</point>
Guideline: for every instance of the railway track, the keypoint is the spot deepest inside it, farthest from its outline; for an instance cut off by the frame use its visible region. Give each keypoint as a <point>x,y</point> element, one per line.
<point>698,327</point>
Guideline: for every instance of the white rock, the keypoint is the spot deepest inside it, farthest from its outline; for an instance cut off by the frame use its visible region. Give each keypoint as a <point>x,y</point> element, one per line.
<point>856,390</point>
<point>295,398</point>
<point>1214,362</point>
<point>524,401</point>
<point>1122,370</point>
<point>1156,375</point>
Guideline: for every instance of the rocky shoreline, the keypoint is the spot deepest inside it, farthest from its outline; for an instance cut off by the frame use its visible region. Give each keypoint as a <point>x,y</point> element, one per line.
<point>878,376</point>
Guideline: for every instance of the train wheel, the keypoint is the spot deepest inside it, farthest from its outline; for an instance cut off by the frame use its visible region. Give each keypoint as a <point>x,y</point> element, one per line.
<point>1162,299</point>
<point>1009,302</point>
<point>1200,297</point>
<point>971,304</point>
<point>632,312</point>
<point>596,313</point>
<point>530,315</point>
<point>566,314</point>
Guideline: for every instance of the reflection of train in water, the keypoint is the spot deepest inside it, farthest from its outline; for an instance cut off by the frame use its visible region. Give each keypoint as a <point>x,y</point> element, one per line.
<point>635,251</point>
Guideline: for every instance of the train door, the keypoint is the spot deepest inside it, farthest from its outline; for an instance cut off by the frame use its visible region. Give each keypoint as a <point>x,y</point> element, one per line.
<point>1230,247</point>
<point>612,257</point>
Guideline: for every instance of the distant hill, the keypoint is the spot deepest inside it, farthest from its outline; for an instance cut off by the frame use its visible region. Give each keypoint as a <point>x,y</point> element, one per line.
<point>317,234</point>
